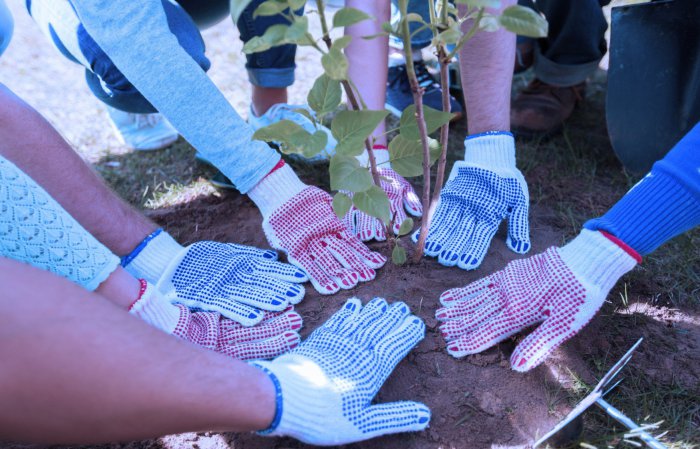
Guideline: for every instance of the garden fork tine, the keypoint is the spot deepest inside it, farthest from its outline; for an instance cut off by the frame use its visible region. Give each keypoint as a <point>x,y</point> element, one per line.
<point>596,397</point>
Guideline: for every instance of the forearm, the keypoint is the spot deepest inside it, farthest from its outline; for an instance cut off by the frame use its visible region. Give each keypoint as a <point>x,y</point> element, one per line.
<point>368,58</point>
<point>664,204</point>
<point>486,68</point>
<point>119,378</point>
<point>129,33</point>
<point>34,146</point>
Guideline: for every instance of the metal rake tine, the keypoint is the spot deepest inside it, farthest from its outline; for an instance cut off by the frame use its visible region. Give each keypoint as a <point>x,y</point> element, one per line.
<point>615,370</point>
<point>613,387</point>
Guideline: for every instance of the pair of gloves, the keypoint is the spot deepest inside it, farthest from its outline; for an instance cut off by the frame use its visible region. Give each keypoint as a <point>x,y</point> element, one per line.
<point>482,190</point>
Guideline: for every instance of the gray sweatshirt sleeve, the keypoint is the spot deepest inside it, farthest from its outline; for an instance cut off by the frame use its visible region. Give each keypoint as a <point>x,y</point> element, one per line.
<point>135,35</point>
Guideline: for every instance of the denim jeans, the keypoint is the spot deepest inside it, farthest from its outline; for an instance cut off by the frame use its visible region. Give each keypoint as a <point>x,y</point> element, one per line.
<point>57,19</point>
<point>6,26</point>
<point>422,38</point>
<point>576,41</point>
<point>273,67</point>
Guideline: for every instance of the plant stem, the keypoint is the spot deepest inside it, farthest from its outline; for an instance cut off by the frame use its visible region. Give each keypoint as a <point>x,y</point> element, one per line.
<point>420,119</point>
<point>445,130</point>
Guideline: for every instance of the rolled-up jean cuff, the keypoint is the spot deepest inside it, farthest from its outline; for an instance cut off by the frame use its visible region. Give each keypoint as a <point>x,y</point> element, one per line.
<point>562,75</point>
<point>276,78</point>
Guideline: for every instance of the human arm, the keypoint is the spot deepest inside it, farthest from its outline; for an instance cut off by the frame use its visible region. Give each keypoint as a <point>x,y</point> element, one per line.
<point>562,289</point>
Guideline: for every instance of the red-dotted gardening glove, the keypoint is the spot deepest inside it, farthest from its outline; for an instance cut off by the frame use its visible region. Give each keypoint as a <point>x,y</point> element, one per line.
<point>402,199</point>
<point>276,334</point>
<point>299,220</point>
<point>560,289</point>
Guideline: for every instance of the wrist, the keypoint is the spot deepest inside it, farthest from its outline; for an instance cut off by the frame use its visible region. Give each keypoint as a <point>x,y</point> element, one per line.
<point>381,157</point>
<point>490,150</point>
<point>275,189</point>
<point>152,256</point>
<point>596,260</point>
<point>154,309</point>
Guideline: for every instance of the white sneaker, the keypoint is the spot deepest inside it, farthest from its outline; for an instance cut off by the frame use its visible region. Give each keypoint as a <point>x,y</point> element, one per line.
<point>142,132</point>
<point>283,111</point>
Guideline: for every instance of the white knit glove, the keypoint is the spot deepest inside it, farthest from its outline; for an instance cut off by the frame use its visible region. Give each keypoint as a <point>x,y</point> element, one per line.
<point>325,386</point>
<point>240,282</point>
<point>299,220</point>
<point>560,289</point>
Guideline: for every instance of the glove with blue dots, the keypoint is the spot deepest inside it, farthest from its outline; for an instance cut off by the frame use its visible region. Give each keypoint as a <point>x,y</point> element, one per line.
<point>239,282</point>
<point>325,386</point>
<point>483,190</point>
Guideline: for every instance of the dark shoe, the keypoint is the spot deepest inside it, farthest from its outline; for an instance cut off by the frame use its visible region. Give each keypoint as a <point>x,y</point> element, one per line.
<point>542,109</point>
<point>399,95</point>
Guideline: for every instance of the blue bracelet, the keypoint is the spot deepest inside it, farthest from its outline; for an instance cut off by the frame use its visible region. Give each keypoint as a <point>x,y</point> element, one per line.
<point>126,260</point>
<point>278,401</point>
<point>489,133</point>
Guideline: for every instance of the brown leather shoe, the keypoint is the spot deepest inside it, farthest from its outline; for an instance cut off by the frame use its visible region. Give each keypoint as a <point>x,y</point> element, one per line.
<point>541,109</point>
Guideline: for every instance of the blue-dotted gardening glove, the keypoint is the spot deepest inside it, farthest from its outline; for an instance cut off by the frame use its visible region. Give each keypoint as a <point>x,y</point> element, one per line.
<point>239,282</point>
<point>481,191</point>
<point>325,386</point>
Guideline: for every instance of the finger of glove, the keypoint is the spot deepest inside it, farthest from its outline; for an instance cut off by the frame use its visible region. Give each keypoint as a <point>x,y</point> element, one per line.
<point>459,239</point>
<point>399,216</point>
<point>252,251</point>
<point>469,306</point>
<point>278,290</point>
<point>455,328</point>
<point>350,220</point>
<point>519,229</point>
<point>444,225</point>
<point>478,246</point>
<point>348,312</point>
<point>369,228</point>
<point>282,271</point>
<point>395,345</point>
<point>394,417</point>
<point>490,333</point>
<point>412,202</point>
<point>232,333</point>
<point>346,278</point>
<point>321,281</point>
<point>260,297</point>
<point>231,309</point>
<point>454,295</point>
<point>369,258</point>
<point>264,349</point>
<point>349,259</point>
<point>369,314</point>
<point>371,334</point>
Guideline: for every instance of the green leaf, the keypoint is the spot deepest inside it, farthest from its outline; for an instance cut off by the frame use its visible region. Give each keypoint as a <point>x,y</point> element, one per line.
<point>237,8</point>
<point>406,226</point>
<point>406,156</point>
<point>349,16</point>
<point>433,120</point>
<point>450,36</point>
<point>373,202</point>
<point>342,42</point>
<point>414,17</point>
<point>374,36</point>
<point>297,32</point>
<point>523,21</point>
<point>305,113</point>
<point>489,23</point>
<point>398,255</point>
<point>292,138</point>
<point>270,8</point>
<point>341,204</point>
<point>325,95</point>
<point>387,28</point>
<point>273,36</point>
<point>296,4</point>
<point>480,3</point>
<point>347,174</point>
<point>335,64</point>
<point>351,128</point>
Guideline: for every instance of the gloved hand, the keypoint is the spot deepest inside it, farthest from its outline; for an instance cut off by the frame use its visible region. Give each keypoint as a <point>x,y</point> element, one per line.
<point>299,220</point>
<point>401,195</point>
<point>561,288</point>
<point>274,335</point>
<point>325,386</point>
<point>481,191</point>
<point>235,280</point>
